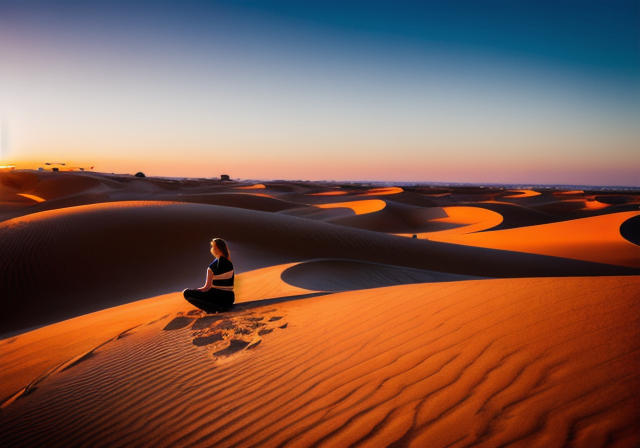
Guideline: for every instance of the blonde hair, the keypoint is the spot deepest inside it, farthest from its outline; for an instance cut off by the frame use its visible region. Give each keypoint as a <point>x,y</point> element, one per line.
<point>220,244</point>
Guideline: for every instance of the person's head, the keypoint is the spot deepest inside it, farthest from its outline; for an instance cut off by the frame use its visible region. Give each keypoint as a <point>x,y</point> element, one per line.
<point>220,248</point>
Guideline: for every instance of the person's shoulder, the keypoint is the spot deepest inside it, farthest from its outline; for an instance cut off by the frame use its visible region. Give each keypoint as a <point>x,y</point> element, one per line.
<point>226,262</point>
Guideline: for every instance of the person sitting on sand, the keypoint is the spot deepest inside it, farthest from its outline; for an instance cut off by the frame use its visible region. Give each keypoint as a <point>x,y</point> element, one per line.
<point>217,293</point>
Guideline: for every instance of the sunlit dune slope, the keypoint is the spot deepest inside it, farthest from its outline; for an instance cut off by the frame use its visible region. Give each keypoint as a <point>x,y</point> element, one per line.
<point>516,215</point>
<point>397,218</point>
<point>383,191</point>
<point>595,239</point>
<point>90,257</point>
<point>517,362</point>
<point>330,193</point>
<point>523,194</point>
<point>28,357</point>
<point>252,187</point>
<point>359,207</point>
<point>460,220</point>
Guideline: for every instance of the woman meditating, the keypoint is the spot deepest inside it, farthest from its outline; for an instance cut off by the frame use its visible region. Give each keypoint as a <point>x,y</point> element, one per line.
<point>217,293</point>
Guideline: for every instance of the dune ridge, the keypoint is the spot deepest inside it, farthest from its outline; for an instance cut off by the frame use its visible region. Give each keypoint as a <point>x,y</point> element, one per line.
<point>151,248</point>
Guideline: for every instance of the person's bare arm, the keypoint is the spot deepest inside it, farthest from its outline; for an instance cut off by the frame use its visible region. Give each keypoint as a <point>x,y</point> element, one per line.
<point>207,285</point>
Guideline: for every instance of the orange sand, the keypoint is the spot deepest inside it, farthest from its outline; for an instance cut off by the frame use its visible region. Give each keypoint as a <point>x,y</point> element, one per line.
<point>523,362</point>
<point>383,191</point>
<point>464,219</point>
<point>523,194</point>
<point>329,193</point>
<point>252,187</point>
<point>31,196</point>
<point>595,239</point>
<point>359,207</point>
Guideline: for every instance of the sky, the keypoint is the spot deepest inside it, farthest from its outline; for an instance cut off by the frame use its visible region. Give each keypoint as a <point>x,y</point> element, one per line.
<point>524,92</point>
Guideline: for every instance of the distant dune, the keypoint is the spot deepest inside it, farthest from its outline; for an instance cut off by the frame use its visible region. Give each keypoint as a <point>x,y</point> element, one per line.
<point>510,319</point>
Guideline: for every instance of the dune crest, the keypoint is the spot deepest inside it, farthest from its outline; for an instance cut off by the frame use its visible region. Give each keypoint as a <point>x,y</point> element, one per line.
<point>383,191</point>
<point>31,196</point>
<point>523,194</point>
<point>330,193</point>
<point>462,220</point>
<point>359,207</point>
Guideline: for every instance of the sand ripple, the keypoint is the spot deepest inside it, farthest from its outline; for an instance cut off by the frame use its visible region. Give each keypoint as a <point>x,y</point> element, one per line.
<point>530,362</point>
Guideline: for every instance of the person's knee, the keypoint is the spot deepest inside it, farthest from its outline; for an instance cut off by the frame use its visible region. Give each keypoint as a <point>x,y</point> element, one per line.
<point>185,293</point>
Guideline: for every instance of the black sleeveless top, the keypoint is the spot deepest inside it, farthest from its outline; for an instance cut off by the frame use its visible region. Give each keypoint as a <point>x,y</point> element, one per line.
<point>223,275</point>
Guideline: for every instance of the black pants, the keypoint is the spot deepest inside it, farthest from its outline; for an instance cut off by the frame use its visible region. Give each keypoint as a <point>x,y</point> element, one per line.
<point>211,301</point>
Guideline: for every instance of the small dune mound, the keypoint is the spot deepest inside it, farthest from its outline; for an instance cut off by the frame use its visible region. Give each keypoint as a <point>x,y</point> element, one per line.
<point>522,194</point>
<point>61,185</point>
<point>18,180</point>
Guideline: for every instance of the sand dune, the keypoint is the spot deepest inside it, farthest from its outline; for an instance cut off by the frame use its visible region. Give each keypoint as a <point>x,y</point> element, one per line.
<point>330,193</point>
<point>570,239</point>
<point>523,194</point>
<point>88,257</point>
<point>359,207</point>
<point>461,220</point>
<point>523,362</point>
<point>252,187</point>
<point>383,191</point>
<point>513,324</point>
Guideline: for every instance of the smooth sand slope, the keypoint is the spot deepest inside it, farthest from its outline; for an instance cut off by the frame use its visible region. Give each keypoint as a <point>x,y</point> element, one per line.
<point>595,239</point>
<point>522,362</point>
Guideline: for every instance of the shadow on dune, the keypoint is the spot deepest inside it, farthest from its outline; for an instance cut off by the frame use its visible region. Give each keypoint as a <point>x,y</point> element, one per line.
<point>349,275</point>
<point>630,230</point>
<point>239,307</point>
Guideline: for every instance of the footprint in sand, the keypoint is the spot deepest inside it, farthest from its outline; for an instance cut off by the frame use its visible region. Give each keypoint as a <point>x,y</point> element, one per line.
<point>207,340</point>
<point>229,334</point>
<point>235,345</point>
<point>177,323</point>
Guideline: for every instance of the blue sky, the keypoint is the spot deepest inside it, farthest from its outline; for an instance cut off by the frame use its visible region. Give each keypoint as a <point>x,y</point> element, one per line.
<point>458,91</point>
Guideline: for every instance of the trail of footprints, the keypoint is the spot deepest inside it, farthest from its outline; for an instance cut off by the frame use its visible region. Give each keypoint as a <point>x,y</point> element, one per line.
<point>228,334</point>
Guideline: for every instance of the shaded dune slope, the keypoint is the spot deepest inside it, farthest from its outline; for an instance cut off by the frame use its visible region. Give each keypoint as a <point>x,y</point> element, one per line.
<point>519,363</point>
<point>630,230</point>
<point>516,215</point>
<point>347,275</point>
<point>395,218</point>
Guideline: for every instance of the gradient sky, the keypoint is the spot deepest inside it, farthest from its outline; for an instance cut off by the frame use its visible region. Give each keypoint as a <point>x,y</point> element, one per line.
<point>445,91</point>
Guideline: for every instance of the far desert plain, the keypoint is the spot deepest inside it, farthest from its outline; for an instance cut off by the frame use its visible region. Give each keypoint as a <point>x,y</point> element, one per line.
<point>366,315</point>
